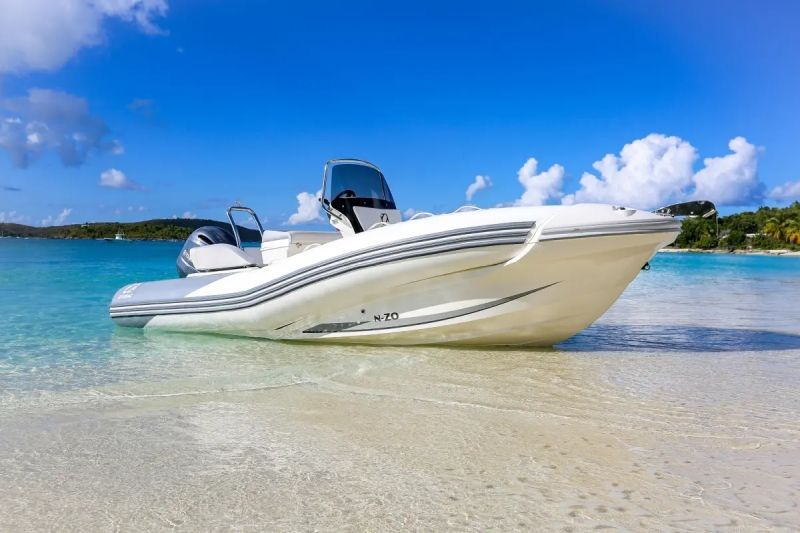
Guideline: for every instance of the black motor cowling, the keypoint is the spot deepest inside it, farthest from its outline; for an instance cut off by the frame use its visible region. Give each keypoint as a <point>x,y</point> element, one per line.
<point>202,236</point>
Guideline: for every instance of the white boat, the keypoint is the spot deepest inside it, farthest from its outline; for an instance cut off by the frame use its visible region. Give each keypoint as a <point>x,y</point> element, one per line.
<point>501,276</point>
<point>119,236</point>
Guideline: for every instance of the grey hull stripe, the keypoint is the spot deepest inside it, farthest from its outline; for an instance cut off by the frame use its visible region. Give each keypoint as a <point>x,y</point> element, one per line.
<point>614,234</point>
<point>420,320</point>
<point>459,236</point>
<point>316,278</point>
<point>606,230</point>
<point>284,287</point>
<point>332,327</point>
<point>507,238</point>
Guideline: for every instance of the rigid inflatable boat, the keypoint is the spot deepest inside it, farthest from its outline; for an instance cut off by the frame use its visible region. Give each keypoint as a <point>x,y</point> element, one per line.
<point>501,276</point>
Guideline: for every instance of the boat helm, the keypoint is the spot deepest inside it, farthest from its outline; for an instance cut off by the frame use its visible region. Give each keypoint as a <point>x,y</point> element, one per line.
<point>356,196</point>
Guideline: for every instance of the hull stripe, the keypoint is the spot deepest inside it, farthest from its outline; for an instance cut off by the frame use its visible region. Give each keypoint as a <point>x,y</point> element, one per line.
<point>274,292</point>
<point>347,327</point>
<point>517,229</point>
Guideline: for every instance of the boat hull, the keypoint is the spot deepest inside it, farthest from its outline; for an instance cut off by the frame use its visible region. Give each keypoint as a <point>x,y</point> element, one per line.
<point>522,276</point>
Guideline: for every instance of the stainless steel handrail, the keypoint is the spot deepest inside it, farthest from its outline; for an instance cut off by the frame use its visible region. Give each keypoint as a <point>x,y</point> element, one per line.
<point>235,229</point>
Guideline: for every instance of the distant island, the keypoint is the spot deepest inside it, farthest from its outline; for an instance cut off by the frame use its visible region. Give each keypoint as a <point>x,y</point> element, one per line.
<point>160,229</point>
<point>768,228</point>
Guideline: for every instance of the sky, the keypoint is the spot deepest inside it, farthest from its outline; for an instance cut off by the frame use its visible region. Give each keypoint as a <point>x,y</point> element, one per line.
<point>138,109</point>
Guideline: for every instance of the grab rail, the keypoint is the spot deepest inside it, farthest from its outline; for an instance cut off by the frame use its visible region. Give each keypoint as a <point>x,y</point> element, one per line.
<point>235,228</point>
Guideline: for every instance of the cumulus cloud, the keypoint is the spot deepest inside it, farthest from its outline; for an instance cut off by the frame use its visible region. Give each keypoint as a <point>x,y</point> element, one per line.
<point>45,34</point>
<point>481,182</point>
<point>12,217</point>
<point>658,170</point>
<point>59,219</point>
<point>648,172</point>
<point>116,179</point>
<point>731,179</point>
<point>542,186</point>
<point>52,120</point>
<point>787,192</point>
<point>309,209</point>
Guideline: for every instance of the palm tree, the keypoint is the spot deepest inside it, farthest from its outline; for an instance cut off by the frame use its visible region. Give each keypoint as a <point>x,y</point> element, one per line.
<point>774,229</point>
<point>791,231</point>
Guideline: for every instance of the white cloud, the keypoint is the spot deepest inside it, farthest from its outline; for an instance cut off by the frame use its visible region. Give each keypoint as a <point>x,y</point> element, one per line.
<point>658,170</point>
<point>539,187</point>
<point>481,182</point>
<point>12,217</point>
<point>45,34</point>
<point>786,192</point>
<point>116,179</point>
<point>52,120</point>
<point>731,179</point>
<point>648,172</point>
<point>189,215</point>
<point>59,219</point>
<point>309,209</point>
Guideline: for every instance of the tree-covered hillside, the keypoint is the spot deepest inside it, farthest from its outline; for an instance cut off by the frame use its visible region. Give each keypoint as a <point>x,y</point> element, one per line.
<point>158,229</point>
<point>766,228</point>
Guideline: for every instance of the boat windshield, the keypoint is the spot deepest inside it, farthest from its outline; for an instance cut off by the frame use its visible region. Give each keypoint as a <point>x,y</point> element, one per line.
<point>350,180</point>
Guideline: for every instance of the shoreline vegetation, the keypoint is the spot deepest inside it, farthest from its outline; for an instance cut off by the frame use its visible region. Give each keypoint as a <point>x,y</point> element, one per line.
<point>766,231</point>
<point>772,231</point>
<point>161,229</point>
<point>781,252</point>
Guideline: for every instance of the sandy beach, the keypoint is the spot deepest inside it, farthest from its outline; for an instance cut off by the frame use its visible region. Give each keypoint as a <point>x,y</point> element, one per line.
<point>774,253</point>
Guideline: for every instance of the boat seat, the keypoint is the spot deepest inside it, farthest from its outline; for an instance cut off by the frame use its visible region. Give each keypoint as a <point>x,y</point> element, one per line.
<point>270,235</point>
<point>221,257</point>
<point>278,245</point>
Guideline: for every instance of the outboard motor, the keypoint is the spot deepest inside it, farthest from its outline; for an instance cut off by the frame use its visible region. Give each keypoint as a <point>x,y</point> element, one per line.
<point>202,236</point>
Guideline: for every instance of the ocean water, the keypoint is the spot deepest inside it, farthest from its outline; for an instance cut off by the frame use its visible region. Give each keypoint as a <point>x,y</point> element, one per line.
<point>678,409</point>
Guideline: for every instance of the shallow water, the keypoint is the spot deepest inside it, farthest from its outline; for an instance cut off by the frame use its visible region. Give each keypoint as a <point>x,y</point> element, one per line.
<point>678,409</point>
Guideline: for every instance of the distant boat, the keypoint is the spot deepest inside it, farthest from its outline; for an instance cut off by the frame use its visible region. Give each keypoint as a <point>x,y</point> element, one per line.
<point>119,236</point>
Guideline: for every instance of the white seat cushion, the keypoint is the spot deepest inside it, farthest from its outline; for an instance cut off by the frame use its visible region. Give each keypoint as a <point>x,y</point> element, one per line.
<point>219,257</point>
<point>270,235</point>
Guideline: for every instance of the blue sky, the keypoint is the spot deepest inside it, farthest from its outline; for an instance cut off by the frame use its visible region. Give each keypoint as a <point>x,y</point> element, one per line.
<point>177,107</point>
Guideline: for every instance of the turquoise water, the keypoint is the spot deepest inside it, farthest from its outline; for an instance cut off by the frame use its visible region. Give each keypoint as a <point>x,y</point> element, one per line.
<point>679,408</point>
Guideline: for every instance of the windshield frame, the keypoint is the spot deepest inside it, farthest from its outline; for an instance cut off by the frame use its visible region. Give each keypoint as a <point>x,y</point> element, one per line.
<point>327,172</point>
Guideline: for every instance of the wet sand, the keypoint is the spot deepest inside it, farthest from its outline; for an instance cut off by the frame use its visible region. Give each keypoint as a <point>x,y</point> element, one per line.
<point>424,439</point>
